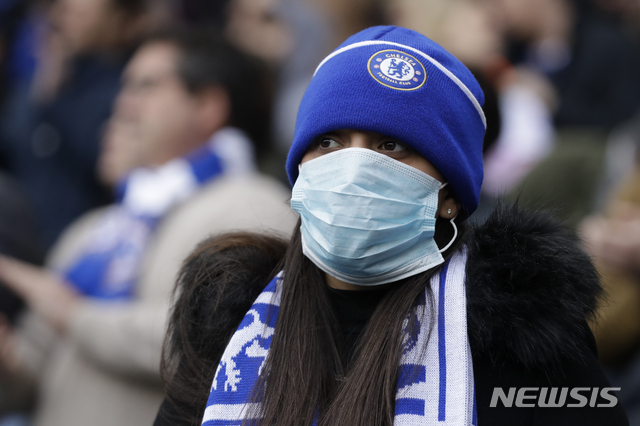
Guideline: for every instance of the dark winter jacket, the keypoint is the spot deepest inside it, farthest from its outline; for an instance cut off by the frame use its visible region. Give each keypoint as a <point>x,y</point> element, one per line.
<point>530,291</point>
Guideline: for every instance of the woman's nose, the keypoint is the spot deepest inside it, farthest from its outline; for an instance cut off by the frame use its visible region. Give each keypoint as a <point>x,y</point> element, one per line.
<point>359,140</point>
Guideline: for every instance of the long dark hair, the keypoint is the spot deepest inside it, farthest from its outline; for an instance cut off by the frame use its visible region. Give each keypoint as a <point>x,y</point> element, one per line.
<point>299,382</point>
<point>217,283</point>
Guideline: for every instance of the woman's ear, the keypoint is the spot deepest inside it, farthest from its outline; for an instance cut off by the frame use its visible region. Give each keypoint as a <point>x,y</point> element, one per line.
<point>448,207</point>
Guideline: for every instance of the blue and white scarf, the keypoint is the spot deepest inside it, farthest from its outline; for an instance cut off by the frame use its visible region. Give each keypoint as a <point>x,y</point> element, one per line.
<point>109,264</point>
<point>435,387</point>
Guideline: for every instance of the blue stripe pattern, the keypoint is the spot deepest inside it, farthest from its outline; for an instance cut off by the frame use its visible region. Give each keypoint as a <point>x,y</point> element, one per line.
<point>204,164</point>
<point>409,374</point>
<point>442,353</point>
<point>92,273</point>
<point>474,419</point>
<point>413,406</point>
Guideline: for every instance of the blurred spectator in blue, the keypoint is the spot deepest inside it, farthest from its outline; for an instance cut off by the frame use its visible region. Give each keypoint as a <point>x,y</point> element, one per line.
<point>179,146</point>
<point>51,127</point>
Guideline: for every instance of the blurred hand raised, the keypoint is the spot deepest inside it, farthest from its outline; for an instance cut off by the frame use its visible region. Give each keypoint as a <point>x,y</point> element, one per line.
<point>44,291</point>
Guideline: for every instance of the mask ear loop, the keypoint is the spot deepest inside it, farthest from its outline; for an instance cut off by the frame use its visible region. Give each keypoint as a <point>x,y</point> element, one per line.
<point>455,234</point>
<point>455,228</point>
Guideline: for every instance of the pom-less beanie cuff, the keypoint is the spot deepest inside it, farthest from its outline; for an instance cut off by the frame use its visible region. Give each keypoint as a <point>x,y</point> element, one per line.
<point>397,82</point>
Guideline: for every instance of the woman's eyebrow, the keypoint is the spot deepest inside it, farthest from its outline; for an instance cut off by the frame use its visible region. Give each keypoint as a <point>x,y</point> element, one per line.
<point>330,134</point>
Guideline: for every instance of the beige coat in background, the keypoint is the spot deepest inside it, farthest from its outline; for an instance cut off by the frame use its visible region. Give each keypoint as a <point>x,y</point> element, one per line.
<point>106,370</point>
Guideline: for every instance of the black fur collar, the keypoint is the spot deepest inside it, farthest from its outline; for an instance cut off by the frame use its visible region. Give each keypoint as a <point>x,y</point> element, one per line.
<point>530,289</point>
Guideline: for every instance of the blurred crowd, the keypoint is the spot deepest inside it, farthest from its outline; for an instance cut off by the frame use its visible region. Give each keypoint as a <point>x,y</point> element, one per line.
<point>132,129</point>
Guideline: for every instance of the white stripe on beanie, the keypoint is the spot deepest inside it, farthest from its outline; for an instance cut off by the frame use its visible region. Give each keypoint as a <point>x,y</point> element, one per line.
<point>441,67</point>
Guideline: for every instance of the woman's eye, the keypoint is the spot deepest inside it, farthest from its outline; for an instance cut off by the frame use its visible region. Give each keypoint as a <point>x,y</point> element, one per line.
<point>393,146</point>
<point>326,143</point>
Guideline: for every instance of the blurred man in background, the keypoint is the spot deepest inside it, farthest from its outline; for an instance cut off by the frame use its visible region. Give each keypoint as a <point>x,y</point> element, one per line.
<point>92,342</point>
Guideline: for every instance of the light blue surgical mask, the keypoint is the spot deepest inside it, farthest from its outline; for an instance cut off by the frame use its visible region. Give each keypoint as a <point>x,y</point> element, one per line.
<point>367,219</point>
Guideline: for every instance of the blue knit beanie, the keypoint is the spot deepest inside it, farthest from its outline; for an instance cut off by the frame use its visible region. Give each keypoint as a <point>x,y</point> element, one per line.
<point>397,82</point>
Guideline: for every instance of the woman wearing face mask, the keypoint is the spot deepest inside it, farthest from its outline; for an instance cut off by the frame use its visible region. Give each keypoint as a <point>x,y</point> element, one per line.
<point>386,308</point>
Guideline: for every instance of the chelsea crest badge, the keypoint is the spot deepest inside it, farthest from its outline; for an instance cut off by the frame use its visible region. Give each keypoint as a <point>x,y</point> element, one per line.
<point>397,70</point>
